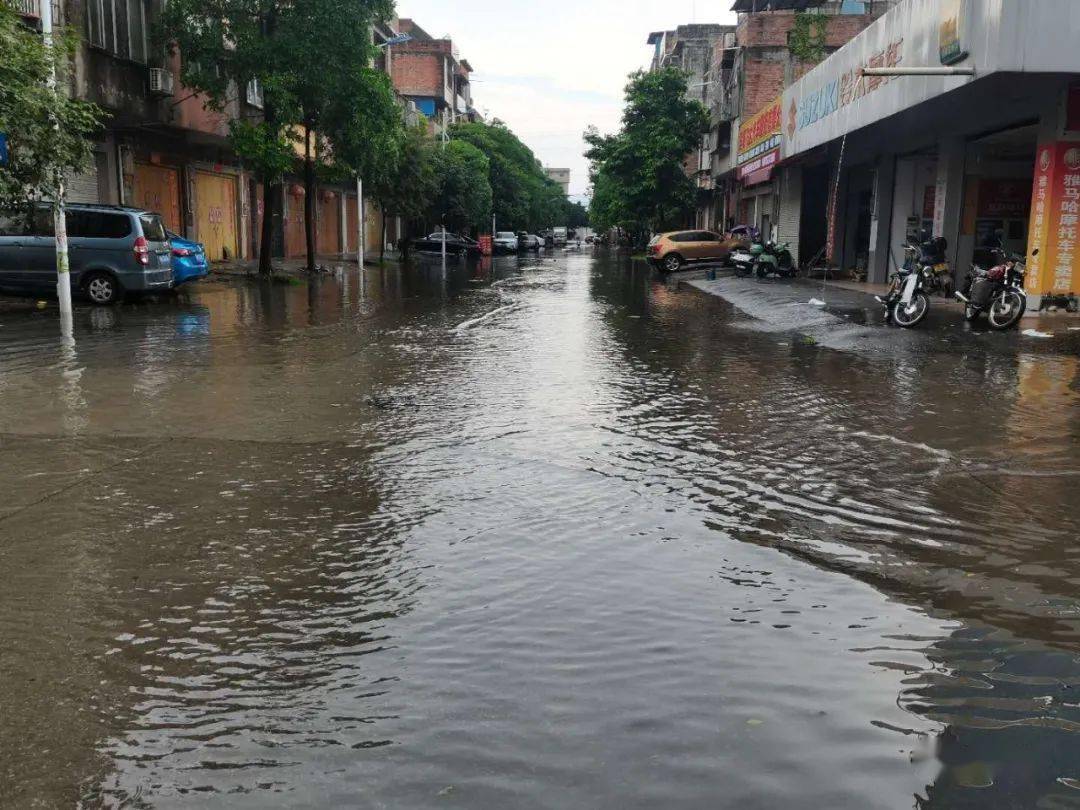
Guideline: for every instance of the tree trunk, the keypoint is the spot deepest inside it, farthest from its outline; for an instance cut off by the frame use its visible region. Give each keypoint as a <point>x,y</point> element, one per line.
<point>382,244</point>
<point>270,188</point>
<point>309,199</point>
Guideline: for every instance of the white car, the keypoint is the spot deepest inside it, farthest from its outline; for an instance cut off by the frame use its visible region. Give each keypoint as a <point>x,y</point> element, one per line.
<point>505,242</point>
<point>530,241</point>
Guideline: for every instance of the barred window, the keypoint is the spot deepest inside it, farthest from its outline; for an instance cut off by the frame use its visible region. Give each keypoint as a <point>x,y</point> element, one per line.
<point>119,27</point>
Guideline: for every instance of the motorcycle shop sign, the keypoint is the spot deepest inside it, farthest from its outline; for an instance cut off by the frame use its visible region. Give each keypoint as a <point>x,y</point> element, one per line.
<point>759,144</point>
<point>1055,219</point>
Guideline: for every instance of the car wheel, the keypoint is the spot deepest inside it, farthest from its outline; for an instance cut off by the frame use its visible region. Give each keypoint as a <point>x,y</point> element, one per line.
<point>101,288</point>
<point>672,262</point>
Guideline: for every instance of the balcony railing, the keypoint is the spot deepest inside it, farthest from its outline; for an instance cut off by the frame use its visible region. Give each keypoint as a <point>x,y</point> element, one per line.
<point>27,8</point>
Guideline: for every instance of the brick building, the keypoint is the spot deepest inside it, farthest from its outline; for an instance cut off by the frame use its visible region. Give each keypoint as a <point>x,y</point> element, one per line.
<point>747,74</point>
<point>690,48</point>
<point>431,74</point>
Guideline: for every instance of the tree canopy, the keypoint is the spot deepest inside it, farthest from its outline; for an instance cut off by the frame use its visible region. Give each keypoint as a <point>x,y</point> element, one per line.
<point>463,194</point>
<point>639,181</point>
<point>523,196</point>
<point>49,133</point>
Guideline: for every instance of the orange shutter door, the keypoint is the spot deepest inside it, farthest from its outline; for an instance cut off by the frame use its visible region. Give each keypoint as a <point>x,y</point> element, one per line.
<point>216,214</point>
<point>329,239</point>
<point>351,214</point>
<point>157,188</point>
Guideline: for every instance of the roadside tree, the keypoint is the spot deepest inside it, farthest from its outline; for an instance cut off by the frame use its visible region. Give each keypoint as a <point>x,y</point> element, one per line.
<point>638,176</point>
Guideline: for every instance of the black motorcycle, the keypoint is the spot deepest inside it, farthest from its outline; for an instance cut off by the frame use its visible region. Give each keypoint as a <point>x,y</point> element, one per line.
<point>931,254</point>
<point>906,302</point>
<point>999,291</point>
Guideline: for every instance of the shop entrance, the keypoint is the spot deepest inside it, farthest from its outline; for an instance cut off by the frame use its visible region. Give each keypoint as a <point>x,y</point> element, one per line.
<point>814,222</point>
<point>1000,169</point>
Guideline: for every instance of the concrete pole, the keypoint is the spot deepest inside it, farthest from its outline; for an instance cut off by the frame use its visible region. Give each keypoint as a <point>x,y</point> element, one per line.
<point>63,276</point>
<point>360,222</point>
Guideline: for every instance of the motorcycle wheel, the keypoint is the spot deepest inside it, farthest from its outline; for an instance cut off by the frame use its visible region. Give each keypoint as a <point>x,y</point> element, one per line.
<point>1006,314</point>
<point>913,313</point>
<point>741,270</point>
<point>971,314</point>
<point>762,270</point>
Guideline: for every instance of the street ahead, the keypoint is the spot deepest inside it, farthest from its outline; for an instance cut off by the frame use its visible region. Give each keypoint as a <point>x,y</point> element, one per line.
<point>555,536</point>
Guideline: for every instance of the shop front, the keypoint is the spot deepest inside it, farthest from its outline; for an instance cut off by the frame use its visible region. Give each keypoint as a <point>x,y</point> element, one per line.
<point>758,154</point>
<point>985,158</point>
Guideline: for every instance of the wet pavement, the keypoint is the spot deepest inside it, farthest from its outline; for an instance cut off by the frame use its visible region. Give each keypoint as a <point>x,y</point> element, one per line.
<point>546,534</point>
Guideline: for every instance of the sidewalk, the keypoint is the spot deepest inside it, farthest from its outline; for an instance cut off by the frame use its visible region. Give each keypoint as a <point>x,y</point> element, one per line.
<point>298,266</point>
<point>845,315</point>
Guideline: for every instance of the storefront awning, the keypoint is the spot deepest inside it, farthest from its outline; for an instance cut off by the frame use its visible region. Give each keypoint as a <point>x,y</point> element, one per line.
<point>758,177</point>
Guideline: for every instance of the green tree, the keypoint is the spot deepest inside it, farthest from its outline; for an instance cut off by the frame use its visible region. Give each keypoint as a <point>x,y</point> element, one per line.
<point>524,198</point>
<point>405,187</point>
<point>577,215</point>
<point>287,47</point>
<point>463,193</point>
<point>638,177</point>
<point>48,132</point>
<point>365,132</point>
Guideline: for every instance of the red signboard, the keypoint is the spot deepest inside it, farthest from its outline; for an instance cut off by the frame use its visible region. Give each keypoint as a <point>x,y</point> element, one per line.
<point>760,169</point>
<point>485,244</point>
<point>1055,220</point>
<point>1004,199</point>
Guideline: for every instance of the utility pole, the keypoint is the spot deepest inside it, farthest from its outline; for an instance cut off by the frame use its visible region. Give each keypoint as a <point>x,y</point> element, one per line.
<point>360,222</point>
<point>63,276</point>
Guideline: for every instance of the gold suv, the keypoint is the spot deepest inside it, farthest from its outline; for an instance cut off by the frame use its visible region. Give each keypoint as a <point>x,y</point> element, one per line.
<point>671,251</point>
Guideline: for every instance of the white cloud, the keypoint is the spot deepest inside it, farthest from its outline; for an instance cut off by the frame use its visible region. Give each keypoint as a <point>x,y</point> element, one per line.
<point>550,69</point>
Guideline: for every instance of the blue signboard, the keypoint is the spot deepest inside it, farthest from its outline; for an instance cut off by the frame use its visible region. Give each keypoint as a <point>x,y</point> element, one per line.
<point>3,149</point>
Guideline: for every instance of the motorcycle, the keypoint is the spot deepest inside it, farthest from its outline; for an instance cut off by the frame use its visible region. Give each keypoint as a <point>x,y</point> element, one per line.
<point>774,260</point>
<point>763,259</point>
<point>999,292</point>
<point>931,253</point>
<point>906,302</point>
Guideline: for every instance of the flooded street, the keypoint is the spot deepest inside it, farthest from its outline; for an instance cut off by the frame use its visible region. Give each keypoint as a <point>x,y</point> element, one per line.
<point>551,534</point>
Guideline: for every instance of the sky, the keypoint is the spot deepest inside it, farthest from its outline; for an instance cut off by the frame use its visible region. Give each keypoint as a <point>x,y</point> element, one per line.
<point>550,68</point>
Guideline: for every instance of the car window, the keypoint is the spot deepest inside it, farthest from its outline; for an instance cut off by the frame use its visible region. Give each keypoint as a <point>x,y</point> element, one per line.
<point>685,236</point>
<point>152,227</point>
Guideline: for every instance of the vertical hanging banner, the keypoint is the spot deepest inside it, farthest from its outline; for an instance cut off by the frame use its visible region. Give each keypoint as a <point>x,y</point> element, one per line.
<point>3,149</point>
<point>1055,220</point>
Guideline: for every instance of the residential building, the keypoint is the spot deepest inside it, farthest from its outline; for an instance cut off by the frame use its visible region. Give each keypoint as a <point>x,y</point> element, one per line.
<point>430,73</point>
<point>691,48</point>
<point>746,75</point>
<point>164,149</point>
<point>560,176</point>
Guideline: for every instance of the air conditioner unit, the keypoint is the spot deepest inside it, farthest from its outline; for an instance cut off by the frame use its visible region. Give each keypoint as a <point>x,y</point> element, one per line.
<point>161,82</point>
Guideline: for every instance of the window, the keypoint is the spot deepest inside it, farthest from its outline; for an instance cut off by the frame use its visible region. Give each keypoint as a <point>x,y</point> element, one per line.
<point>254,94</point>
<point>152,228</point>
<point>97,224</point>
<point>687,236</point>
<point>119,27</point>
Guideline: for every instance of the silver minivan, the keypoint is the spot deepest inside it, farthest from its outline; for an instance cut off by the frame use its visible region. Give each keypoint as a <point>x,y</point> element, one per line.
<point>111,249</point>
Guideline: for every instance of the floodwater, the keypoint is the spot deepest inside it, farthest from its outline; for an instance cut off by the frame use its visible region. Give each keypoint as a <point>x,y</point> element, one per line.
<point>551,534</point>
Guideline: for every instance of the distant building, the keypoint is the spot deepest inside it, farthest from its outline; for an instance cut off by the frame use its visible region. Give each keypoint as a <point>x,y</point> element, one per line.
<point>430,73</point>
<point>560,176</point>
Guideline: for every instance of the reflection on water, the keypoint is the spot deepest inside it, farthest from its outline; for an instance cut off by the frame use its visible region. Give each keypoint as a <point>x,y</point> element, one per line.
<point>527,534</point>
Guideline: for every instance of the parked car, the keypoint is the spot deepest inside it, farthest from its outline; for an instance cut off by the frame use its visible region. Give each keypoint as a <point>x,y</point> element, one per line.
<point>672,251</point>
<point>455,244</point>
<point>112,250</point>
<point>529,241</point>
<point>505,242</point>
<point>188,259</point>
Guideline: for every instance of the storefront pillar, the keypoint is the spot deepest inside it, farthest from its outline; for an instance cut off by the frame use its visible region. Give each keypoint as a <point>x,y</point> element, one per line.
<point>949,194</point>
<point>880,225</point>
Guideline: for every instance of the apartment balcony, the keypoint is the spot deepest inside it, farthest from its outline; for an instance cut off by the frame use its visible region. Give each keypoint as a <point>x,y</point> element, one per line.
<point>461,106</point>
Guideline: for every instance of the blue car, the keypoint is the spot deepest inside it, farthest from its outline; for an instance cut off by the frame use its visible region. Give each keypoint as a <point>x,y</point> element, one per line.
<point>188,259</point>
